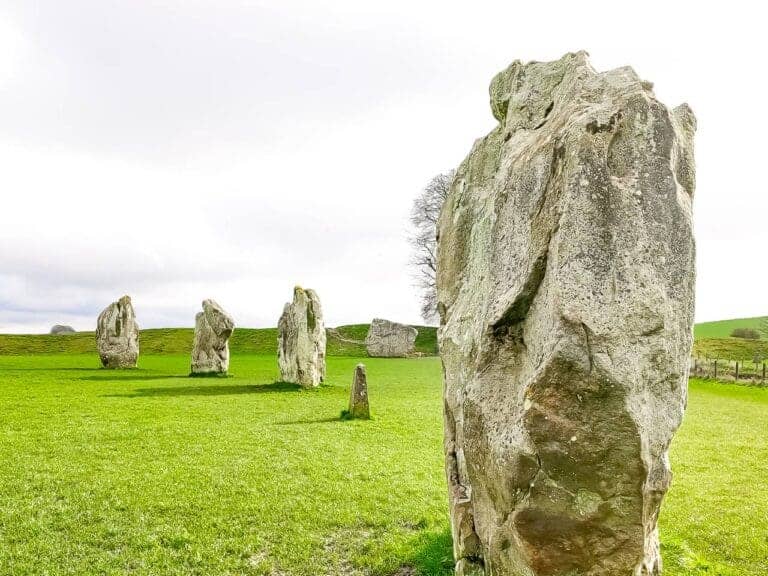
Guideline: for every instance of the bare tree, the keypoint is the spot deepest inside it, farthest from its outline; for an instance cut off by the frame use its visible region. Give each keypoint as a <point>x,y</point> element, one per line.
<point>424,215</point>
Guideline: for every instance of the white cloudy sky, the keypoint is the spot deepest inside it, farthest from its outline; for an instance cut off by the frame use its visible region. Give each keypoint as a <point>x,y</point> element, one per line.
<point>183,149</point>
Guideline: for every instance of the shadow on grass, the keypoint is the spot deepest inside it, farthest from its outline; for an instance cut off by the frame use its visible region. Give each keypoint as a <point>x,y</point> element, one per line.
<point>308,421</point>
<point>128,377</point>
<point>208,390</point>
<point>433,555</point>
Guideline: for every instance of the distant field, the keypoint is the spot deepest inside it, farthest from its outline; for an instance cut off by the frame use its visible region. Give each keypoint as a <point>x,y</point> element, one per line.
<point>713,340</point>
<point>731,349</point>
<point>723,328</point>
<point>150,473</point>
<point>342,341</point>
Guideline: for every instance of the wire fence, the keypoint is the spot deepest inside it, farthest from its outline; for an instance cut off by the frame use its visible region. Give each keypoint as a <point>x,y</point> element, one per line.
<point>729,370</point>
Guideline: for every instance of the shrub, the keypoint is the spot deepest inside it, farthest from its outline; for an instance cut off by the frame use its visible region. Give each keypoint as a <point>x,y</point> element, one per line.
<point>748,333</point>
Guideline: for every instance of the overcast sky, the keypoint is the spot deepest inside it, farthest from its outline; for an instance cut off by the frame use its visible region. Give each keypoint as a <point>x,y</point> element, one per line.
<point>181,150</point>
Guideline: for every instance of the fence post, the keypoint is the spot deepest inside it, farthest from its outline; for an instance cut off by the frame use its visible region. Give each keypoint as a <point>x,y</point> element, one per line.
<point>715,369</point>
<point>736,378</point>
<point>763,372</point>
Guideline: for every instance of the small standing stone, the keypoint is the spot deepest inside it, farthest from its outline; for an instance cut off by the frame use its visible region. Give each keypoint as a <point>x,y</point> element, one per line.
<point>117,335</point>
<point>301,340</point>
<point>358,396</point>
<point>210,351</point>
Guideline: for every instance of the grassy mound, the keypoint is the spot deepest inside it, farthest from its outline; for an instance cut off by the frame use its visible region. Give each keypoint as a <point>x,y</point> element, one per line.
<point>724,328</point>
<point>342,341</point>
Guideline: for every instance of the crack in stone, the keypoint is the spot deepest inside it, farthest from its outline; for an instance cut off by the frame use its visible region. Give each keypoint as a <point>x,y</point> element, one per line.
<point>589,346</point>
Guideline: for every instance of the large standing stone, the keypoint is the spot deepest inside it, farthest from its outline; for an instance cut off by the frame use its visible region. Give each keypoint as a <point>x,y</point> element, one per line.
<point>210,349</point>
<point>301,340</point>
<point>389,339</point>
<point>62,329</point>
<point>566,291</point>
<point>358,395</point>
<point>117,335</point>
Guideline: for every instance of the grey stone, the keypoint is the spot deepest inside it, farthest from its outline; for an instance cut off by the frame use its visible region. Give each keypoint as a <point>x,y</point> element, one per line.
<point>566,293</point>
<point>61,329</point>
<point>358,394</point>
<point>210,349</point>
<point>301,340</point>
<point>388,339</point>
<point>117,335</point>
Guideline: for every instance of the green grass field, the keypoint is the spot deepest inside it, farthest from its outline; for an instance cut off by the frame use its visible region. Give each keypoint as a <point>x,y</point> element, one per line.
<point>148,472</point>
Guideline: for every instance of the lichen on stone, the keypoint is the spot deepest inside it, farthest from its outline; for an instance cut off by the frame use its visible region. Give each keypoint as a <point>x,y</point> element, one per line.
<point>565,290</point>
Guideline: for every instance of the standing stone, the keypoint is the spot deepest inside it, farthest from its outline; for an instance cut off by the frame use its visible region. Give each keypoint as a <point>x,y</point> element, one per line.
<point>210,349</point>
<point>358,395</point>
<point>61,329</point>
<point>301,340</point>
<point>566,290</point>
<point>389,339</point>
<point>117,335</point>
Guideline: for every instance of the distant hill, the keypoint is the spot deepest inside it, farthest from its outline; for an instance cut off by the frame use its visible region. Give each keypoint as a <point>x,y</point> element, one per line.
<point>713,340</point>
<point>342,341</point>
<point>723,328</point>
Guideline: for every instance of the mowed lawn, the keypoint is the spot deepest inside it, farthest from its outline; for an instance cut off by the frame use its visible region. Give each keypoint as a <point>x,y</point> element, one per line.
<point>150,472</point>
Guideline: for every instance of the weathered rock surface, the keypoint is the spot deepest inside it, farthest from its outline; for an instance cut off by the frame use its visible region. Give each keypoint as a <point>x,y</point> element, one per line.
<point>566,293</point>
<point>59,329</point>
<point>117,335</point>
<point>389,339</point>
<point>358,395</point>
<point>301,340</point>
<point>210,349</point>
